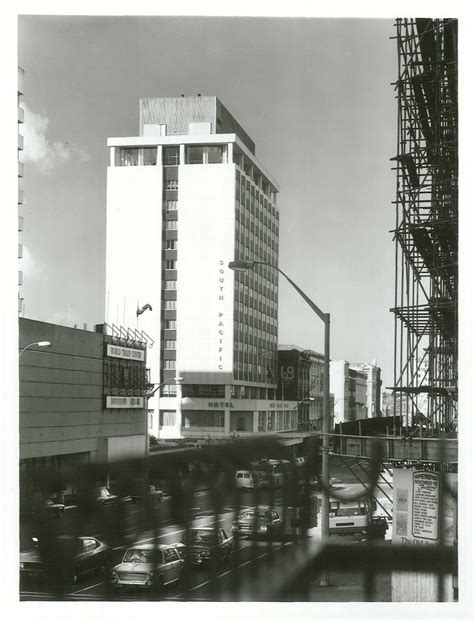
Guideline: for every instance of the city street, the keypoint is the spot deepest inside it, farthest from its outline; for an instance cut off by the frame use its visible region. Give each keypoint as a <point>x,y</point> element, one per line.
<point>253,570</point>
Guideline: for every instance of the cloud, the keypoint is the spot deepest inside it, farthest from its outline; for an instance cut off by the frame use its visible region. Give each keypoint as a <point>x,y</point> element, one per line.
<point>46,156</point>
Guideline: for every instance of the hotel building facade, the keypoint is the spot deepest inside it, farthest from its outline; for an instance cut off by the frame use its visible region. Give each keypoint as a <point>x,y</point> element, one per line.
<point>184,198</point>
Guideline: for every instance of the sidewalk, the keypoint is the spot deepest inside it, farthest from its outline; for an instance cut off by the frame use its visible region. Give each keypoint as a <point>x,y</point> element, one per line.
<point>345,586</point>
<point>349,587</point>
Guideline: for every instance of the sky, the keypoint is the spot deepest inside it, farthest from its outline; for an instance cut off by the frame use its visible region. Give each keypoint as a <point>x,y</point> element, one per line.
<point>315,95</point>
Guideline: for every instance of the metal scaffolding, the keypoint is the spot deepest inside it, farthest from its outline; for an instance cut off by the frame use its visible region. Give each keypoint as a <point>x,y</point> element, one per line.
<point>426,233</point>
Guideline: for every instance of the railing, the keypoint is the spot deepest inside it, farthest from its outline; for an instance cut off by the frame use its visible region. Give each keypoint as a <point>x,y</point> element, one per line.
<point>200,489</point>
<point>406,449</point>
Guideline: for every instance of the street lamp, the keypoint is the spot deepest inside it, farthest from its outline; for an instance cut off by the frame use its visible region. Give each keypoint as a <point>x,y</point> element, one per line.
<point>42,343</point>
<point>245,265</point>
<point>305,401</point>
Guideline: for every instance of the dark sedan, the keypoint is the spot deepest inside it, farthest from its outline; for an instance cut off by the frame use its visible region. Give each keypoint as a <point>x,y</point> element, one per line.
<point>149,494</point>
<point>205,544</point>
<point>258,521</point>
<point>105,498</point>
<point>64,559</point>
<point>34,507</point>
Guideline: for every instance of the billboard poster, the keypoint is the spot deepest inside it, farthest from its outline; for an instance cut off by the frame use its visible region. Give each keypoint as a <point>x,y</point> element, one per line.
<point>424,513</point>
<point>419,506</point>
<point>125,353</point>
<point>124,402</point>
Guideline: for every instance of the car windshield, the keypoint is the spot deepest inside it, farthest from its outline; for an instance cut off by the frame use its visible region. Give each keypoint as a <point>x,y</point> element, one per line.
<point>201,536</point>
<point>143,556</point>
<point>252,514</point>
<point>349,512</point>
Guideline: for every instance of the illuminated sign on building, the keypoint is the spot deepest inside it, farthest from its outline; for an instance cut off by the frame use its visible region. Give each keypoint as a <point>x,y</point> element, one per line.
<point>127,353</point>
<point>124,402</point>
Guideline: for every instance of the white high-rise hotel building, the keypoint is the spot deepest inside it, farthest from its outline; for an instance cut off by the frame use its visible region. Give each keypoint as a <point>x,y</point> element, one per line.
<point>184,198</point>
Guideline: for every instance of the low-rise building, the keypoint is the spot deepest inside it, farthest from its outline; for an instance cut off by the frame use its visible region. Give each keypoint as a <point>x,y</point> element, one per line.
<point>83,396</point>
<point>374,387</point>
<point>356,389</point>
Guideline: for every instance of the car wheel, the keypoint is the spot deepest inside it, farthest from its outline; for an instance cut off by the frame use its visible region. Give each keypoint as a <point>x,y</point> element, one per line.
<point>160,584</point>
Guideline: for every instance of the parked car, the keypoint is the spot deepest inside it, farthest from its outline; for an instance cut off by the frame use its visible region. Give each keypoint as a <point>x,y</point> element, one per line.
<point>298,461</point>
<point>378,525</point>
<point>355,518</point>
<point>150,493</point>
<point>245,480</point>
<point>92,498</point>
<point>34,507</point>
<point>204,544</point>
<point>105,498</point>
<point>147,566</point>
<point>258,521</point>
<point>274,472</point>
<point>65,557</point>
<point>309,485</point>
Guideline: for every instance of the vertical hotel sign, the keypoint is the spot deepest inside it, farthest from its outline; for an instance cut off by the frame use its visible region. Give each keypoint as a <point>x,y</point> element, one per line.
<point>220,316</point>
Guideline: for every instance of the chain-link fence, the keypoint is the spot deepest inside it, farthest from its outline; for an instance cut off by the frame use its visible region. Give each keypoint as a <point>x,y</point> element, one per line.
<point>238,521</point>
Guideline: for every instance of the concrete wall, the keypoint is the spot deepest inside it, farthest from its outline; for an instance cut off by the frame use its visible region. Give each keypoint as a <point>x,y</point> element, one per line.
<point>358,395</point>
<point>205,298</point>
<point>339,387</point>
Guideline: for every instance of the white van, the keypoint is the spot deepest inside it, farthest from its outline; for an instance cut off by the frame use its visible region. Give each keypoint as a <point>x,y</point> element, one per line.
<point>245,480</point>
<point>348,517</point>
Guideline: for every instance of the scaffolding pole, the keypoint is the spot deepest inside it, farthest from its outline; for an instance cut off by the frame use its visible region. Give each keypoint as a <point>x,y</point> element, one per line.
<point>426,232</point>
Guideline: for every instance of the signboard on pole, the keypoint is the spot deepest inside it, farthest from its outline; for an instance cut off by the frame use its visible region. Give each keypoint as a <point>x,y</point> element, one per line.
<point>124,402</point>
<point>425,506</point>
<point>126,353</point>
<point>422,515</point>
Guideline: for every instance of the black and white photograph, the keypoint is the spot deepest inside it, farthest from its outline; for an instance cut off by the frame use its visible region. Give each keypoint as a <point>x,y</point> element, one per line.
<point>237,341</point>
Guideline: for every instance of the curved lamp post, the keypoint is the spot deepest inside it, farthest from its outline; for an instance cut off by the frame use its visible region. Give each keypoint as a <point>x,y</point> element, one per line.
<point>305,401</point>
<point>245,265</point>
<point>42,344</point>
